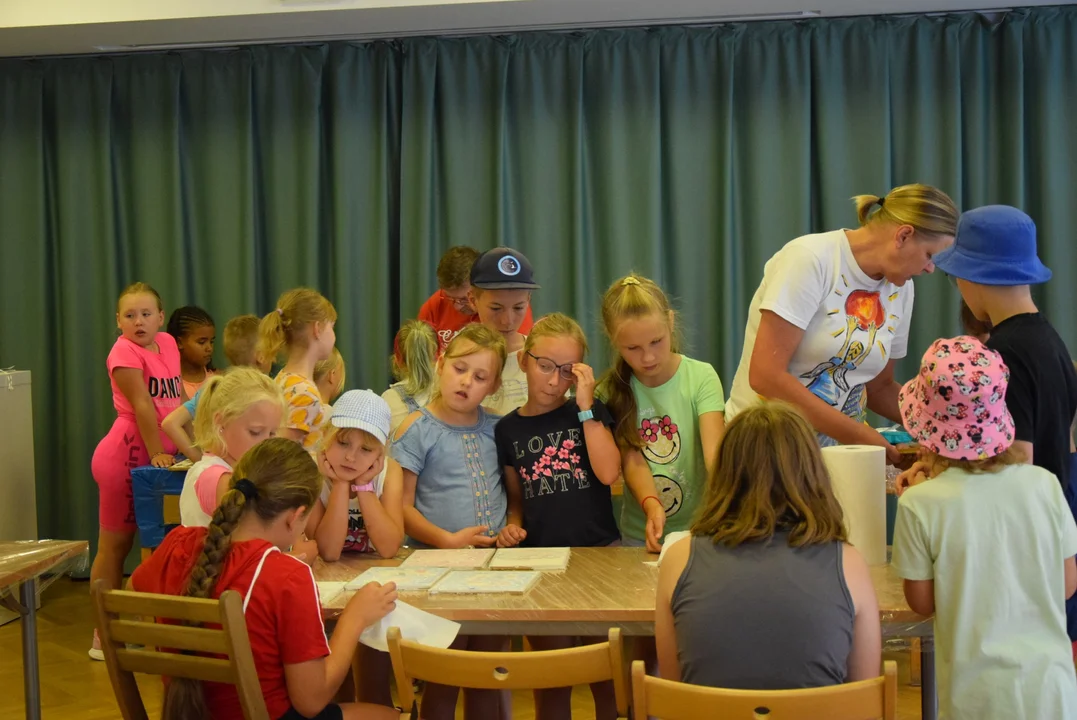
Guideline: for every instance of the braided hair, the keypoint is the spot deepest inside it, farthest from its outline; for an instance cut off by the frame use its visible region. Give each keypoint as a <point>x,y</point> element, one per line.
<point>187,319</point>
<point>273,477</point>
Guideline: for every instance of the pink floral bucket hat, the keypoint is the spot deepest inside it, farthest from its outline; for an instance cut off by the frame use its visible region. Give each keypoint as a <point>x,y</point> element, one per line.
<point>956,406</point>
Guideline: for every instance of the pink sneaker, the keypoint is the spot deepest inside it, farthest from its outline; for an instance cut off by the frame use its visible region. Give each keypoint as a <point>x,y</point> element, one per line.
<point>95,649</point>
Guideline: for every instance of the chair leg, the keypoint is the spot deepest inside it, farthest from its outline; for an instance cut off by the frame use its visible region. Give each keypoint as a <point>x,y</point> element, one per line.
<point>914,663</point>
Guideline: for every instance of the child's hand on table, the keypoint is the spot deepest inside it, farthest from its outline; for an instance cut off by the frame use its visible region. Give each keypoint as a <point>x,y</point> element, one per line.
<point>373,602</point>
<point>511,536</point>
<point>474,536</point>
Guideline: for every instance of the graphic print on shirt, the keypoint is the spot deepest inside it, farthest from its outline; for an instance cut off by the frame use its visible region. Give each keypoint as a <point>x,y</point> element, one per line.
<point>662,446</point>
<point>357,539</point>
<point>865,315</point>
<point>558,466</point>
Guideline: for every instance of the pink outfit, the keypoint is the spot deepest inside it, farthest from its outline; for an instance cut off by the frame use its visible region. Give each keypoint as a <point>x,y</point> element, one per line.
<point>122,448</point>
<point>956,406</point>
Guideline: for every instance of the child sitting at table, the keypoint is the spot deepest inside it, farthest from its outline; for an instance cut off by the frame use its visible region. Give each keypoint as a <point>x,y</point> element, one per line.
<point>264,511</point>
<point>240,338</point>
<point>766,594</point>
<point>360,507</point>
<point>453,493</point>
<point>239,408</point>
<point>413,369</point>
<point>986,543</point>
<point>329,378</point>
<point>559,459</point>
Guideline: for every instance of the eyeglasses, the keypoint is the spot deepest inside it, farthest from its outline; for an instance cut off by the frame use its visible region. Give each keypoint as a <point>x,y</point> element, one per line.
<point>548,367</point>
<point>460,302</point>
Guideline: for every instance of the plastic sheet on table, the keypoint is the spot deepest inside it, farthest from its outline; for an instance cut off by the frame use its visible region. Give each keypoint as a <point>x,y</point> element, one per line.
<point>20,561</point>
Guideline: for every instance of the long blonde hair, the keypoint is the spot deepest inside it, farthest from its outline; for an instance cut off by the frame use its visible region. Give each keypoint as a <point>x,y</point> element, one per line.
<point>472,339</point>
<point>556,325</point>
<point>285,478</point>
<point>927,209</point>
<point>416,362</point>
<point>631,297</point>
<point>227,396</point>
<point>289,324</point>
<point>770,476</point>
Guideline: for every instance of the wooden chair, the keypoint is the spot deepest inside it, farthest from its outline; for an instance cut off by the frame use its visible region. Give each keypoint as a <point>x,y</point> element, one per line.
<point>230,641</point>
<point>868,699</point>
<point>536,670</point>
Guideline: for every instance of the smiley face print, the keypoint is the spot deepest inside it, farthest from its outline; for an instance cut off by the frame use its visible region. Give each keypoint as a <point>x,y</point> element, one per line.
<point>661,440</point>
<point>670,494</point>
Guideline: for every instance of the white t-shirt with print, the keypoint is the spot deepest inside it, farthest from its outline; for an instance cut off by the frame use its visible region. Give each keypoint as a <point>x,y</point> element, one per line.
<point>194,499</point>
<point>853,325</point>
<point>513,392</point>
<point>357,539</point>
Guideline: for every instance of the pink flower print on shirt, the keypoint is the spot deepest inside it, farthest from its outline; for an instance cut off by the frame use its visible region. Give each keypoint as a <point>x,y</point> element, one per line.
<point>574,458</point>
<point>668,427</point>
<point>568,444</point>
<point>550,451</point>
<point>562,453</point>
<point>648,431</point>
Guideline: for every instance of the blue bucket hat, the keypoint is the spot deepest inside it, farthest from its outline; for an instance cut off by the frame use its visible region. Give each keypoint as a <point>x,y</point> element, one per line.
<point>994,245</point>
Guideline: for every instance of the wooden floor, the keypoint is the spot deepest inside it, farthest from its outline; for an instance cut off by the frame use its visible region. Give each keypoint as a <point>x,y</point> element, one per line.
<point>73,687</point>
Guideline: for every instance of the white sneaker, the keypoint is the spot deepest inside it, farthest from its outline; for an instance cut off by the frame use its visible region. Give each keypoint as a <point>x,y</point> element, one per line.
<point>95,649</point>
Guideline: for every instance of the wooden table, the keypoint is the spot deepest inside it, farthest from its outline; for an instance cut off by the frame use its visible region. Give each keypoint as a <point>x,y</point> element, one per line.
<point>604,588</point>
<point>21,564</point>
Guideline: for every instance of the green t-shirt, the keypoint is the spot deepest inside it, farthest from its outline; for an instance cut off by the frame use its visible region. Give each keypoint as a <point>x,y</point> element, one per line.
<point>668,423</point>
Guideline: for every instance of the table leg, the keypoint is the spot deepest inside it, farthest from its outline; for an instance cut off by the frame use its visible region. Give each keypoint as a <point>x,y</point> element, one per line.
<point>31,681</point>
<point>929,699</point>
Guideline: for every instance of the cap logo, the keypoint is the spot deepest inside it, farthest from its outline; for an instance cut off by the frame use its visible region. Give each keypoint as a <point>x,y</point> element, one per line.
<point>509,265</point>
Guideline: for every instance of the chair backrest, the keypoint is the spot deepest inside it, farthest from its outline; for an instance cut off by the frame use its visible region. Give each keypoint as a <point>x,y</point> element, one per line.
<point>509,671</point>
<point>864,700</point>
<point>165,646</point>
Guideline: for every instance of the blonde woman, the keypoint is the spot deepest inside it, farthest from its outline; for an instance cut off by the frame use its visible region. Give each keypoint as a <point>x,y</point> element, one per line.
<point>832,315</point>
<point>767,594</point>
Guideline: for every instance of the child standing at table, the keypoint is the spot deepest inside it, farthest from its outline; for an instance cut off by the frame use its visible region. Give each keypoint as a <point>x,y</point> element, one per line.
<point>302,327</point>
<point>195,333</point>
<point>329,378</point>
<point>667,408</point>
<point>501,285</point>
<point>453,493</point>
<point>450,308</point>
<point>986,543</point>
<point>239,408</point>
<point>414,370</point>
<point>559,459</point>
<point>360,508</point>
<point>144,369</point>
<point>263,512</point>
<point>240,339</point>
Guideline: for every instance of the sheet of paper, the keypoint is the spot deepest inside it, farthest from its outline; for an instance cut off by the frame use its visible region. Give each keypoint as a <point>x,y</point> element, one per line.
<point>668,542</point>
<point>482,582</point>
<point>547,559</point>
<point>464,558</point>
<point>407,579</point>
<point>415,624</point>
<point>329,590</point>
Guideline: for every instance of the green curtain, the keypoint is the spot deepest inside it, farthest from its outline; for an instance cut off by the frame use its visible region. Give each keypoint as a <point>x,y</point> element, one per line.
<point>687,154</point>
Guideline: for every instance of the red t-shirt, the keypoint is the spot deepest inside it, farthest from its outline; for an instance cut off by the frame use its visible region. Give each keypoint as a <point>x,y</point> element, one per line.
<point>439,312</point>
<point>283,610</point>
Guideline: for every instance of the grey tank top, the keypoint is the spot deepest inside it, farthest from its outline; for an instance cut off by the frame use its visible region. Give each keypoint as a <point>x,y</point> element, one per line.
<point>763,616</point>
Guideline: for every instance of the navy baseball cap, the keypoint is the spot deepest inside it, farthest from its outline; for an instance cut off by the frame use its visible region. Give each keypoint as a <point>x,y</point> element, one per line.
<point>503,269</point>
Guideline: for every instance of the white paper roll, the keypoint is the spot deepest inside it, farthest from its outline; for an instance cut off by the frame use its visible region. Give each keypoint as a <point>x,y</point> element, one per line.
<point>858,476</point>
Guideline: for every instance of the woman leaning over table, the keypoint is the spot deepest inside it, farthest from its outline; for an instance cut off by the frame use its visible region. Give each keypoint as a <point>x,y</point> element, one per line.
<point>832,314</point>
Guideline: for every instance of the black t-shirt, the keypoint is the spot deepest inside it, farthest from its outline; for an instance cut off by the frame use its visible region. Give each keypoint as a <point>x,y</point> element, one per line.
<point>1042,393</point>
<point>564,504</point>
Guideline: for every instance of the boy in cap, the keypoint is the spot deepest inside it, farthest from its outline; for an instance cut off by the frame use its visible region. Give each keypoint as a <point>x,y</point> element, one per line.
<point>994,261</point>
<point>501,285</point>
<point>449,309</point>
